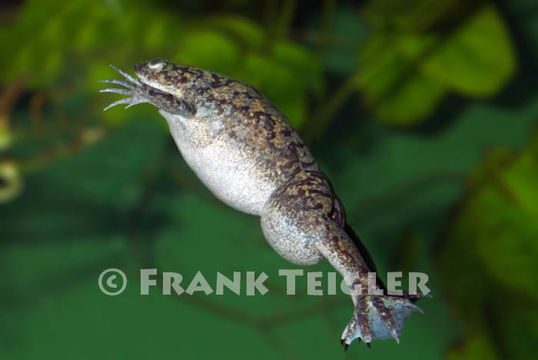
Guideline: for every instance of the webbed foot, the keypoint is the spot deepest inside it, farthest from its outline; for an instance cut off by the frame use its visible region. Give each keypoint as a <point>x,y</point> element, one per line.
<point>377,317</point>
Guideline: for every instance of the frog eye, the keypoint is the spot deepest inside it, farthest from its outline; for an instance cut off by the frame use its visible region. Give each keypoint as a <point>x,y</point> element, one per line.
<point>156,64</point>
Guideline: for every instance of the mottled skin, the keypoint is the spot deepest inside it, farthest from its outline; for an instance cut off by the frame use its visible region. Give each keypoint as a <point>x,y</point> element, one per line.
<point>245,151</point>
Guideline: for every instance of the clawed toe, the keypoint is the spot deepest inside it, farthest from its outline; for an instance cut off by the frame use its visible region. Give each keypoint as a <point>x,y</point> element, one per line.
<point>132,89</point>
<point>377,317</point>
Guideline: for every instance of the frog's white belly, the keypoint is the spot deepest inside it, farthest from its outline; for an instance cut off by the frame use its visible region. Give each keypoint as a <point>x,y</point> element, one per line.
<point>221,166</point>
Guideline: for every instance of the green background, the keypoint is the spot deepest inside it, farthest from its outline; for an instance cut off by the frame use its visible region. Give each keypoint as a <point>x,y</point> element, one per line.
<point>422,113</point>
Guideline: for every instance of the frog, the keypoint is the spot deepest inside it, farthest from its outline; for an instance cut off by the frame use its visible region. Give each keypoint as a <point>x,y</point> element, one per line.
<point>245,151</point>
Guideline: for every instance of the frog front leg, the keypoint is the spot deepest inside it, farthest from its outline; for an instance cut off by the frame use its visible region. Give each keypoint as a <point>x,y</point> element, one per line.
<point>305,222</point>
<point>139,92</point>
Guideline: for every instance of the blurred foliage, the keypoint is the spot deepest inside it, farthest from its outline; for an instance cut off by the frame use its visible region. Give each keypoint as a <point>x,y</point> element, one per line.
<point>525,11</point>
<point>10,184</point>
<point>420,50</point>
<point>82,190</point>
<point>475,347</point>
<point>491,246</point>
<point>58,44</point>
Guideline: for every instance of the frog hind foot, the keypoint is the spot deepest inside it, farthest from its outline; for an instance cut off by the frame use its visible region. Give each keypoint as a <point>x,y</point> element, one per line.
<point>378,317</point>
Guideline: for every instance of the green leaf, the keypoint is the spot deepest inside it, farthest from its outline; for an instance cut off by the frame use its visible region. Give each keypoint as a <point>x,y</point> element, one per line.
<point>398,94</point>
<point>404,74</point>
<point>506,229</point>
<point>416,99</point>
<point>478,59</point>
<point>495,232</point>
<point>389,81</point>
